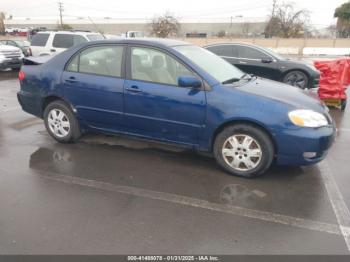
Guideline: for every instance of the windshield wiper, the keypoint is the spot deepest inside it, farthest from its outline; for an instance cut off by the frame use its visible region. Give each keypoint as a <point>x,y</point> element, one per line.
<point>235,79</point>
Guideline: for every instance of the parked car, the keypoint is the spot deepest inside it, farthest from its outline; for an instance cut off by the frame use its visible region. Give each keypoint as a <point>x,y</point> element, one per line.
<point>178,93</point>
<point>10,57</point>
<point>54,42</point>
<point>9,30</point>
<point>265,63</point>
<point>133,34</point>
<point>21,44</point>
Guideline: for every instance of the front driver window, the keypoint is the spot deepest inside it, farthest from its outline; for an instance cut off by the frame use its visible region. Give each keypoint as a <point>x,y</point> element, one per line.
<point>155,66</point>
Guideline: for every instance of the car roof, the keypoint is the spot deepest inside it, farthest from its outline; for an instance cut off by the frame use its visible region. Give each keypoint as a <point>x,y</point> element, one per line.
<point>159,42</point>
<point>68,32</point>
<point>232,43</point>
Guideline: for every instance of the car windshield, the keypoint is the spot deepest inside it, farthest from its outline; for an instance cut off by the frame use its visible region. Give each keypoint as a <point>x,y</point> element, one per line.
<point>211,63</point>
<point>95,37</point>
<point>22,43</point>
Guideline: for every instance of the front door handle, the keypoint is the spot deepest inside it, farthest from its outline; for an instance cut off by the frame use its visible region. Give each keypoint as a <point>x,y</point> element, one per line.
<point>134,89</point>
<point>52,50</point>
<point>242,62</point>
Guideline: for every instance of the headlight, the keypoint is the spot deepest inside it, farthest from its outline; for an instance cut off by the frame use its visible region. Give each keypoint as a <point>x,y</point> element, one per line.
<point>2,58</point>
<point>307,118</point>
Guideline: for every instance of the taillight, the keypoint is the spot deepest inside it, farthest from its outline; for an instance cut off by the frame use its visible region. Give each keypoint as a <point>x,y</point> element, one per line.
<point>21,75</point>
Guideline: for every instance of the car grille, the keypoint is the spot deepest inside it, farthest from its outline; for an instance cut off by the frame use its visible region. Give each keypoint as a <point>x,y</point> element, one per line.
<point>11,54</point>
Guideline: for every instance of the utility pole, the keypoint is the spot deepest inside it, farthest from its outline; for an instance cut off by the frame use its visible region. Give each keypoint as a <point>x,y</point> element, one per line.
<point>269,29</point>
<point>60,9</point>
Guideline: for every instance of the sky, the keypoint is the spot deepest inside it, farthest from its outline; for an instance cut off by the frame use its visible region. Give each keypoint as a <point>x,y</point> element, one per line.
<point>321,11</point>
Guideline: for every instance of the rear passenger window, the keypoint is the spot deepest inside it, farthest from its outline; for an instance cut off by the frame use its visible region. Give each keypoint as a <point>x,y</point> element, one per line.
<point>100,60</point>
<point>73,65</point>
<point>63,41</point>
<point>250,53</point>
<point>222,50</point>
<point>40,39</point>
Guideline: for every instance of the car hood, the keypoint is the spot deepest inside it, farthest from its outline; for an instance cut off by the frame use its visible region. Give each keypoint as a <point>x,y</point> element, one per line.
<point>279,92</point>
<point>8,48</point>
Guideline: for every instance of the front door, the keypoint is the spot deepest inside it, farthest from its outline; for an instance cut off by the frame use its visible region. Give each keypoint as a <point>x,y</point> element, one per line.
<point>93,84</point>
<point>155,106</point>
<point>255,62</point>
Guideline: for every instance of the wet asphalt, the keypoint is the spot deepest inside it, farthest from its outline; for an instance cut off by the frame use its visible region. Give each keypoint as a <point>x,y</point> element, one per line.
<point>115,195</point>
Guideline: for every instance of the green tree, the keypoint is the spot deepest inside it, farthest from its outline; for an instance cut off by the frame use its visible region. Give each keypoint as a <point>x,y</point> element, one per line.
<point>343,22</point>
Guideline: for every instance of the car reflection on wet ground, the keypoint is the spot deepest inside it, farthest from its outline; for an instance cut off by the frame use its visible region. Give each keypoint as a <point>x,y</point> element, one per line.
<point>114,195</point>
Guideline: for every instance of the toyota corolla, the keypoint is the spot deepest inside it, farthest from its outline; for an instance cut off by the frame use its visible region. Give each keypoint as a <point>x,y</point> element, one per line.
<point>178,93</point>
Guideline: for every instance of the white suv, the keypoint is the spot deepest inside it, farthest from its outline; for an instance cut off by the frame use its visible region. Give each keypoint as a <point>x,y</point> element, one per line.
<point>54,42</point>
<point>10,57</point>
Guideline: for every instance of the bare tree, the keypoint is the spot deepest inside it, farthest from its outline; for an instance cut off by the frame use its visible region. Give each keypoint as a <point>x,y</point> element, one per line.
<point>343,22</point>
<point>287,22</point>
<point>165,25</point>
<point>246,29</point>
<point>2,23</point>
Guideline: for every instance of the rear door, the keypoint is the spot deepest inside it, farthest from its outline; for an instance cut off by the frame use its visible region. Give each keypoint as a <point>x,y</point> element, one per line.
<point>93,83</point>
<point>227,52</point>
<point>155,106</point>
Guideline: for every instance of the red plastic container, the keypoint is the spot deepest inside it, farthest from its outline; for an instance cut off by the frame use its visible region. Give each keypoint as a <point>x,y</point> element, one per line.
<point>334,80</point>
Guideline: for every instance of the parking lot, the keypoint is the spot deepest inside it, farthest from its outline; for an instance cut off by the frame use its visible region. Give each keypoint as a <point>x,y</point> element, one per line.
<point>113,195</point>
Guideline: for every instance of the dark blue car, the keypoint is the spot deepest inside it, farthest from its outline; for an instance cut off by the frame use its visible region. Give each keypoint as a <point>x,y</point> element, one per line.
<point>174,92</point>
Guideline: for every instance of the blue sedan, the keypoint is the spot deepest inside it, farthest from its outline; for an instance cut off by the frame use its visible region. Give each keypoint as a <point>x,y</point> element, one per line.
<point>177,93</point>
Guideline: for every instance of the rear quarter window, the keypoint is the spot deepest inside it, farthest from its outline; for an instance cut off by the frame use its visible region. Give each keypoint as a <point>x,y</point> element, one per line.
<point>40,39</point>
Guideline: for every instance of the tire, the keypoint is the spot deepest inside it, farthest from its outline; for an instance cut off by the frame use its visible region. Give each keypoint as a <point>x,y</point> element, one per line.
<point>343,104</point>
<point>296,78</point>
<point>67,128</point>
<point>248,159</point>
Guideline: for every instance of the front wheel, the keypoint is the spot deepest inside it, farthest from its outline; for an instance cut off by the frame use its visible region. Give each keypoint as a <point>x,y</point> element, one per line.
<point>296,78</point>
<point>244,150</point>
<point>61,123</point>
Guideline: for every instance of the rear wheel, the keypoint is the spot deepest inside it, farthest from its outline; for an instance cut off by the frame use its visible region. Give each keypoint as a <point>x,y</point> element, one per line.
<point>61,123</point>
<point>244,150</point>
<point>297,79</point>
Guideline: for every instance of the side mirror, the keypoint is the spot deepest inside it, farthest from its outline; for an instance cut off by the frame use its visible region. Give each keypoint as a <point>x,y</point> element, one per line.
<point>266,60</point>
<point>189,81</point>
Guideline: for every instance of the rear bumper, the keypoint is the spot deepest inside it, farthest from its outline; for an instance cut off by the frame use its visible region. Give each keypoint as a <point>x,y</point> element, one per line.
<point>296,146</point>
<point>30,103</point>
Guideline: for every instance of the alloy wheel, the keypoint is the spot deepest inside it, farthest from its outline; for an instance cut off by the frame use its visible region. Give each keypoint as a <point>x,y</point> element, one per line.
<point>58,123</point>
<point>242,152</point>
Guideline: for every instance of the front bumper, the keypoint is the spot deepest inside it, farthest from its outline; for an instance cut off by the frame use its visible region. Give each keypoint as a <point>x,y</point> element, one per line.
<point>11,63</point>
<point>295,145</point>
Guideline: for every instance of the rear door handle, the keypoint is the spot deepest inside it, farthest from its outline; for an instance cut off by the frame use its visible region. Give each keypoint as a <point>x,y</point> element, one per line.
<point>134,89</point>
<point>71,79</point>
<point>242,62</point>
